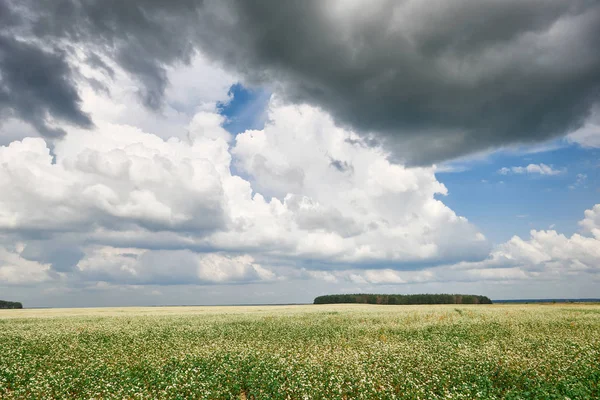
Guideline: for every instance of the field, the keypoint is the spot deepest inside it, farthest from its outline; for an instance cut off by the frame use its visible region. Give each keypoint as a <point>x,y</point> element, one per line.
<point>302,352</point>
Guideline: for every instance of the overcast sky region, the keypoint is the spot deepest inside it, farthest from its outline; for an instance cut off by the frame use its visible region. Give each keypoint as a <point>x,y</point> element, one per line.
<point>232,152</point>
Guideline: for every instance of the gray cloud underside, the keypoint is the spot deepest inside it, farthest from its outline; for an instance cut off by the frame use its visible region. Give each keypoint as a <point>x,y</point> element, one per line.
<point>434,80</point>
<point>35,83</point>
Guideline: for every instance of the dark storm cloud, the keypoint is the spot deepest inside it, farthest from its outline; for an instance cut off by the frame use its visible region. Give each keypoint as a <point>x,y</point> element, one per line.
<point>435,80</point>
<point>38,36</point>
<point>36,82</point>
<point>143,37</point>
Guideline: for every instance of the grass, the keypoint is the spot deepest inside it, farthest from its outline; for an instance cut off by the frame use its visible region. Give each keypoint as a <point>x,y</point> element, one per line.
<point>303,352</point>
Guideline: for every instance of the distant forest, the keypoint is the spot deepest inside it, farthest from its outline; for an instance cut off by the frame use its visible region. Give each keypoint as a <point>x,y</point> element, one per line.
<point>403,299</point>
<point>10,304</point>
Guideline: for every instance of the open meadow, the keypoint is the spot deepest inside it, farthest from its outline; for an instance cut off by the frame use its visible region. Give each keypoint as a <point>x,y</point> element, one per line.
<point>302,352</point>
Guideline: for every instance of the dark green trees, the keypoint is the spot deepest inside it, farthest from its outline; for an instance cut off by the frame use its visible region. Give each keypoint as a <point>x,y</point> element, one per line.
<point>10,304</point>
<point>403,299</point>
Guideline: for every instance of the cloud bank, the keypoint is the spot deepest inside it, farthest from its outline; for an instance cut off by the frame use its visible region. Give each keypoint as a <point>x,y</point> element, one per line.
<point>119,186</point>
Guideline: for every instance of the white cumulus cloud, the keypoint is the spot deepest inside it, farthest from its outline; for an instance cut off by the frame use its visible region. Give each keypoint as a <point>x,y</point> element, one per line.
<point>167,267</point>
<point>545,256</point>
<point>299,190</point>
<point>539,169</point>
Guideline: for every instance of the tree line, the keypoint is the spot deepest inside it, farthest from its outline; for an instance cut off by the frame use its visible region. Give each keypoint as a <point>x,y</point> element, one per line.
<point>10,304</point>
<point>403,299</point>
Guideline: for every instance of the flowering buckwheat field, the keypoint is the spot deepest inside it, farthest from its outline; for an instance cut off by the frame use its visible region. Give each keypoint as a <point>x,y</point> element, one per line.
<point>302,352</point>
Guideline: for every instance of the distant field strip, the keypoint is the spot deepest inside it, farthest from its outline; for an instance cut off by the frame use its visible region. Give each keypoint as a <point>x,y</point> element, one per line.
<point>303,352</point>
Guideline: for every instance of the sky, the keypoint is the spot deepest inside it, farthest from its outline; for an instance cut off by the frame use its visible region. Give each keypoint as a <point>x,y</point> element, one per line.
<point>233,152</point>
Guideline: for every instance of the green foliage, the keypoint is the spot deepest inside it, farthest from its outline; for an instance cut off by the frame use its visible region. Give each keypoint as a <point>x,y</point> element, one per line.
<point>303,352</point>
<point>10,304</point>
<point>403,299</point>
